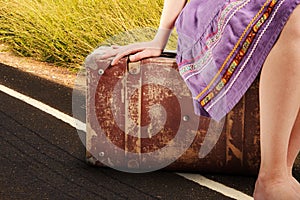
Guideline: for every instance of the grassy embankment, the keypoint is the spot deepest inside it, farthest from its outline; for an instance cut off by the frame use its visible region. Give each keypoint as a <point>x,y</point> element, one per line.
<point>64,32</point>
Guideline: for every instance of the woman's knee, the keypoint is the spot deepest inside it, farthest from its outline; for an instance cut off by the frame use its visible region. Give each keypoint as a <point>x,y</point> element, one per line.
<point>292,27</point>
<point>289,40</point>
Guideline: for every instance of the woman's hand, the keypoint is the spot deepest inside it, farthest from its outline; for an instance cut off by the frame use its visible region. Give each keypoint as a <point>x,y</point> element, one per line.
<point>142,50</point>
<point>138,51</point>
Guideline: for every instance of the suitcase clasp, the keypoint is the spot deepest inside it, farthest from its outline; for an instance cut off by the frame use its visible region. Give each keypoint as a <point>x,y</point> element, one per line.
<point>134,67</point>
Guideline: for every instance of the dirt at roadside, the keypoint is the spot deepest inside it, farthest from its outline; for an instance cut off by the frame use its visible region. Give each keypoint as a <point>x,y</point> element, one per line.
<point>44,70</point>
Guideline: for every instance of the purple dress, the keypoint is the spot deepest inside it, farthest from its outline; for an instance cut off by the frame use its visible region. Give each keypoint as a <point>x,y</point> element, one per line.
<point>222,45</point>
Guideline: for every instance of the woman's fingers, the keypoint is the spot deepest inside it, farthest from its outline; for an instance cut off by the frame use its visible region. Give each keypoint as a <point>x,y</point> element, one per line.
<point>127,51</point>
<point>109,53</point>
<point>113,51</point>
<point>115,46</point>
<point>137,50</point>
<point>145,54</point>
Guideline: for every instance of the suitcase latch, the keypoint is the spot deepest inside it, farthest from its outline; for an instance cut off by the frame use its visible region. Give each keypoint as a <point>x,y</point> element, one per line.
<point>134,67</point>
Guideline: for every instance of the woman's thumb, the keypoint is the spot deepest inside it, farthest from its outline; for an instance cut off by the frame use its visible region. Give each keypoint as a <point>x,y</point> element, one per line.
<point>132,58</point>
<point>143,54</point>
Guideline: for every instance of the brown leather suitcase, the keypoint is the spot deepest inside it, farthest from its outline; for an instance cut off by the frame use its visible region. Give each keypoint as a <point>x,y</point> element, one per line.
<point>140,118</point>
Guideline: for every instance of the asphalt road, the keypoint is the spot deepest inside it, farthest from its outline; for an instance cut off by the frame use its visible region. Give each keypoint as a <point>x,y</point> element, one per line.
<point>42,157</point>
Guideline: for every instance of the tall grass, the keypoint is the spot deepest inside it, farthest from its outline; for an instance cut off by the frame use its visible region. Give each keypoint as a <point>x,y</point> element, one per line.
<point>64,32</point>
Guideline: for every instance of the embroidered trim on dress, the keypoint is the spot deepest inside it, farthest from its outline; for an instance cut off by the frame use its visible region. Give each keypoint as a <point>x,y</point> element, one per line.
<point>240,54</point>
<point>248,58</point>
<point>233,50</point>
<point>212,39</point>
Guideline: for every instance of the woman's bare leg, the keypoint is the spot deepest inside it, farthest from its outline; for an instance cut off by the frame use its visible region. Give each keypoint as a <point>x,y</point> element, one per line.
<point>279,106</point>
<point>293,150</point>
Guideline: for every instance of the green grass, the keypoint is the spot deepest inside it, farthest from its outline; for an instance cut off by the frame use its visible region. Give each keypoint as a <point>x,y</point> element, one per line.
<point>64,32</point>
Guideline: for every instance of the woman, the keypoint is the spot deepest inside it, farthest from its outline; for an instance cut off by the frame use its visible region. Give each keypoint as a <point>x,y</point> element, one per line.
<point>222,46</point>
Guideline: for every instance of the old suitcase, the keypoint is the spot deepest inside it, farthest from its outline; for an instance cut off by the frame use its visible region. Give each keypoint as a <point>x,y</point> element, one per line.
<point>140,118</point>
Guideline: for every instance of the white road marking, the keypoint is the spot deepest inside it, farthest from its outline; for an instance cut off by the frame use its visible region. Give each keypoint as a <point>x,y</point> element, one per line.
<point>218,187</point>
<point>45,108</point>
<point>225,190</point>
